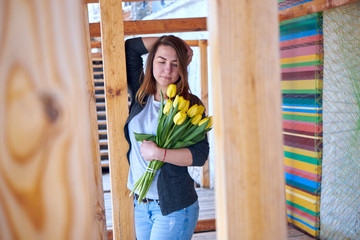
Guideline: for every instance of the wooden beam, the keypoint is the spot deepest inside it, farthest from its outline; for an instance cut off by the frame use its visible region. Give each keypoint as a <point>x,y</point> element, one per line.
<point>245,68</point>
<point>165,26</point>
<point>98,205</point>
<point>45,156</point>
<point>311,7</point>
<point>205,225</point>
<point>113,49</point>
<point>95,30</point>
<point>157,26</point>
<point>205,173</point>
<point>95,44</point>
<point>191,43</point>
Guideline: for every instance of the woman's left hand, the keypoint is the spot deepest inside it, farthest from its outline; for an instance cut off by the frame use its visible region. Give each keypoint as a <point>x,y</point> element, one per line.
<point>150,151</point>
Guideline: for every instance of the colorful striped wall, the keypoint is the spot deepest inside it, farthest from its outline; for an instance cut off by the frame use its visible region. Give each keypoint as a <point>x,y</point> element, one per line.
<point>283,4</point>
<point>301,69</point>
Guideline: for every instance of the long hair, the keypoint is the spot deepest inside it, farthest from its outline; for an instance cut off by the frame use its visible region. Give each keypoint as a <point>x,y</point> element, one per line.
<point>148,86</point>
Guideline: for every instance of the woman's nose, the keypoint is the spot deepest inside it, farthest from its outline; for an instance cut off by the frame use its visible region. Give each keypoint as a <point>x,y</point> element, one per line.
<point>167,68</point>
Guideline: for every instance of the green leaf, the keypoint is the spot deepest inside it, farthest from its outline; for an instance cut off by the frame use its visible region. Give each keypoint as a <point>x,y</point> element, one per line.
<point>183,144</point>
<point>198,138</point>
<point>159,130</point>
<point>174,137</point>
<point>160,118</point>
<point>142,136</point>
<point>161,106</point>
<point>190,129</point>
<point>198,130</point>
<point>169,123</point>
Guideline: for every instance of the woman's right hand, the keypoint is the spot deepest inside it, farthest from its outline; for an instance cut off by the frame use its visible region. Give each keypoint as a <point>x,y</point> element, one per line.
<point>150,151</point>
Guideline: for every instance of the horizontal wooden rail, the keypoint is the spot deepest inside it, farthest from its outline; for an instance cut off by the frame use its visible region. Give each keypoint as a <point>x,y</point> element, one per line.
<point>191,43</point>
<point>157,26</point>
<point>311,7</point>
<point>205,225</point>
<point>96,44</point>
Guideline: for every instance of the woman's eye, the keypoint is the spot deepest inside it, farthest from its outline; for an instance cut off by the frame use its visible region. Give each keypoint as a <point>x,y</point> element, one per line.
<point>175,65</point>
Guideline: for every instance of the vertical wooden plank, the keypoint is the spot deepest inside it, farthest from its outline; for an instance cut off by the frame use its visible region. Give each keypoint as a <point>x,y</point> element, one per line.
<point>45,155</point>
<point>247,109</point>
<point>98,205</point>
<point>205,174</point>
<point>113,49</point>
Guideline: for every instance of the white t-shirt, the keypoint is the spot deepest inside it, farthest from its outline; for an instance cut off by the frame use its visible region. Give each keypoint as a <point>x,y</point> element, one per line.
<point>144,122</point>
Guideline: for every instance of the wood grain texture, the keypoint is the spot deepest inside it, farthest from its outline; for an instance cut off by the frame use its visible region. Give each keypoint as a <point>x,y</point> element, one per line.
<point>45,150</point>
<point>113,49</point>
<point>311,7</point>
<point>205,173</point>
<point>245,68</point>
<point>157,26</point>
<point>98,205</point>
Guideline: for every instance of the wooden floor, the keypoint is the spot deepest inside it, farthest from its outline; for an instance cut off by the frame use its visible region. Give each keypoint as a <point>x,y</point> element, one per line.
<point>206,215</point>
<point>292,235</point>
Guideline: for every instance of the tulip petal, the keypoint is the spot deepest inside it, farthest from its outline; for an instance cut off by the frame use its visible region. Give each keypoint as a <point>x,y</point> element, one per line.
<point>171,90</point>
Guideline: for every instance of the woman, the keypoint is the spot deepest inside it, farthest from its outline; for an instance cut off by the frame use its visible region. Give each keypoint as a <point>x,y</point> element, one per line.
<point>170,209</point>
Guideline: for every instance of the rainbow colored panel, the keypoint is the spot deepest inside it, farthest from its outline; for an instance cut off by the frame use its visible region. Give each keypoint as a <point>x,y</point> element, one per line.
<point>301,48</point>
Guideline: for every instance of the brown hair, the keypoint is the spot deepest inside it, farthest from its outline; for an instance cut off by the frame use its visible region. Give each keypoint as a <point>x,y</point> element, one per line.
<point>148,86</point>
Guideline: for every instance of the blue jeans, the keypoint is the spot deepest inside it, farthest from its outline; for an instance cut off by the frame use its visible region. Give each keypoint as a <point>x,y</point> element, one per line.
<point>150,224</point>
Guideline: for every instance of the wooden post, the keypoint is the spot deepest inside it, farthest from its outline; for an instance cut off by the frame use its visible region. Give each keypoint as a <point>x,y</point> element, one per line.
<point>45,151</point>
<point>205,173</point>
<point>250,191</point>
<point>113,49</point>
<point>98,205</point>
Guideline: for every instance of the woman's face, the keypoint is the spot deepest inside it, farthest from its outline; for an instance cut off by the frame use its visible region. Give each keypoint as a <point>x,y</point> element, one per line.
<point>165,68</point>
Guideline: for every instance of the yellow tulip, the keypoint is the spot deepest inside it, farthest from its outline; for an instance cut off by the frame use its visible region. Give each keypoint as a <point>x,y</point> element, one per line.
<point>204,120</point>
<point>193,110</point>
<point>171,91</point>
<point>201,109</point>
<point>196,119</point>
<point>179,118</point>
<point>167,107</point>
<point>176,100</point>
<point>186,107</point>
<point>182,103</point>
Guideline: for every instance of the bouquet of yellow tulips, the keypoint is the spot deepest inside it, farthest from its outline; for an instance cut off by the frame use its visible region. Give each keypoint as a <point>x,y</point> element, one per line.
<point>179,126</point>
